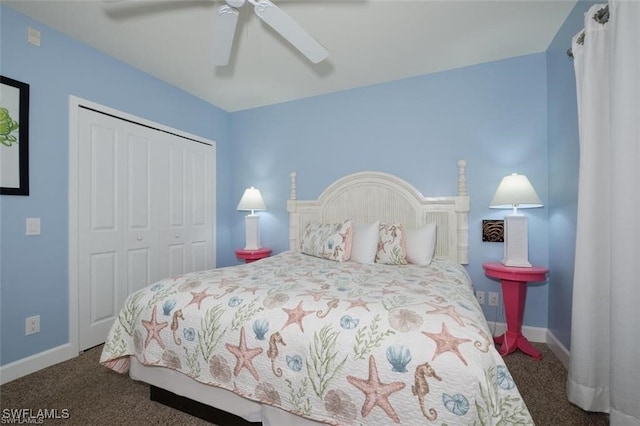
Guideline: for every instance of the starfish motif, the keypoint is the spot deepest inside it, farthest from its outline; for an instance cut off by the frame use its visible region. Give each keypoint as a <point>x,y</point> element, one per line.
<point>449,310</point>
<point>376,392</point>
<point>358,303</point>
<point>244,356</point>
<point>154,328</point>
<point>251,289</point>
<point>446,342</point>
<point>198,298</point>
<point>296,315</point>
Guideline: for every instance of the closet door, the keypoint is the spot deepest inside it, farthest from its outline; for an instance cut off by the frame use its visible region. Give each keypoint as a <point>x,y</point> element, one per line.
<point>145,212</point>
<point>185,207</point>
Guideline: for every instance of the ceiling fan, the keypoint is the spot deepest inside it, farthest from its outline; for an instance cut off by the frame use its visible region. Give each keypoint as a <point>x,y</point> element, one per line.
<point>225,28</point>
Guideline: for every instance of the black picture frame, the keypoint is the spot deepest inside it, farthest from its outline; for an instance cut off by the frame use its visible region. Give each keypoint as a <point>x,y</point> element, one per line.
<point>14,102</point>
<point>493,231</point>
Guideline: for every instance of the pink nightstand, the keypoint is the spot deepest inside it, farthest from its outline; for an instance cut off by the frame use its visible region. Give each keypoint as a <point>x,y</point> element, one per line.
<point>252,255</point>
<point>514,292</point>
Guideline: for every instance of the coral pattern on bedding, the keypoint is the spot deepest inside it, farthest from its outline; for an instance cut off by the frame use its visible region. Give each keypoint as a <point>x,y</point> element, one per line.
<point>338,342</point>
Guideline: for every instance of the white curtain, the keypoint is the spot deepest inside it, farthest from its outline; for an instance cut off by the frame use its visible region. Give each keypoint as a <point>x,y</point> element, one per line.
<point>604,370</point>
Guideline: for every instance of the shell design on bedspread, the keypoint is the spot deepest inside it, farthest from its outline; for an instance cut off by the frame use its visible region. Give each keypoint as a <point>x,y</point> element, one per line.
<point>340,406</point>
<point>260,328</point>
<point>168,306</point>
<point>219,368</point>
<point>189,333</point>
<point>458,404</point>
<point>405,320</point>
<point>171,360</point>
<point>294,362</point>
<point>234,302</point>
<point>399,356</point>
<point>348,323</point>
<point>189,286</point>
<point>267,393</point>
<point>505,381</point>
<point>275,300</point>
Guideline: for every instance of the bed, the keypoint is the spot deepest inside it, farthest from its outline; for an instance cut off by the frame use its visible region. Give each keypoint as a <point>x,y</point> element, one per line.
<point>332,331</point>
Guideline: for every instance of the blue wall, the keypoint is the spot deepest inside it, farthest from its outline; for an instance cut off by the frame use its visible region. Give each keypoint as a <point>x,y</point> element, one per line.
<point>494,115</point>
<point>34,270</point>
<point>564,154</point>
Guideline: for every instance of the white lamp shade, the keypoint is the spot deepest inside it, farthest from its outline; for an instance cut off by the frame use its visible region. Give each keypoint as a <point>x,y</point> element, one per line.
<point>515,191</point>
<point>251,201</point>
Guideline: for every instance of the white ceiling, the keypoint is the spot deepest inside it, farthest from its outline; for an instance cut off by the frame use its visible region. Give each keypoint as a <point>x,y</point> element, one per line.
<point>369,41</point>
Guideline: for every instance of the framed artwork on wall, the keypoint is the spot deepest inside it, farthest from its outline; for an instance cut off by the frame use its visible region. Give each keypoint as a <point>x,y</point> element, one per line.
<point>493,231</point>
<point>14,137</point>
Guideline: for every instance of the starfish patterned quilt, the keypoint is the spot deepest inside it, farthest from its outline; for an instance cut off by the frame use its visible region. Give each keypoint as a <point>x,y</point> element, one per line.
<point>338,342</point>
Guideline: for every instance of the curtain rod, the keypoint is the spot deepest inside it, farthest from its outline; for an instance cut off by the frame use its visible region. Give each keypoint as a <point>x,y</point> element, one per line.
<point>601,17</point>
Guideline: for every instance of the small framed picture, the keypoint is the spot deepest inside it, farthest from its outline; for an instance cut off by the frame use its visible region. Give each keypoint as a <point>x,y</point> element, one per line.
<point>493,231</point>
<point>14,137</point>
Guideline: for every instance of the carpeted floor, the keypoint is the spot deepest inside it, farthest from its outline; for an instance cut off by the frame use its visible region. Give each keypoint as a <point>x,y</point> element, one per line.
<point>94,395</point>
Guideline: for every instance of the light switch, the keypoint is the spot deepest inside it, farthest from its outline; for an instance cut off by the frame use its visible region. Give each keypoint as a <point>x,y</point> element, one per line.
<point>33,36</point>
<point>33,226</point>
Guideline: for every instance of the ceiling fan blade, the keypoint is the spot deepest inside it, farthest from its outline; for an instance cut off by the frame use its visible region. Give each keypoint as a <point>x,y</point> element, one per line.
<point>290,30</point>
<point>224,30</point>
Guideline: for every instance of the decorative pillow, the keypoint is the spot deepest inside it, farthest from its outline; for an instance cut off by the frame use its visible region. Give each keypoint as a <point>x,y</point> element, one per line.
<point>421,242</point>
<point>365,242</point>
<point>391,244</point>
<point>328,240</point>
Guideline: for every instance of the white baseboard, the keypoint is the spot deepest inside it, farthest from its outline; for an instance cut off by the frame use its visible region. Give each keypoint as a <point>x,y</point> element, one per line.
<point>558,349</point>
<point>36,362</point>
<point>533,334</point>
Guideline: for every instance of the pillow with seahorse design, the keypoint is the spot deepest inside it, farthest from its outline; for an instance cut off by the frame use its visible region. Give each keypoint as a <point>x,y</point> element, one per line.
<point>392,248</point>
<point>330,241</point>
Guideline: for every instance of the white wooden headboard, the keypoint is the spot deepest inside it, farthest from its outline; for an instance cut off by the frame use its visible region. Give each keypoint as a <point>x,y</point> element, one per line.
<point>366,197</point>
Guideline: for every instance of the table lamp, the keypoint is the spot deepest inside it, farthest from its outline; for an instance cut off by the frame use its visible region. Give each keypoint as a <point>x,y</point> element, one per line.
<point>515,191</point>
<point>251,201</point>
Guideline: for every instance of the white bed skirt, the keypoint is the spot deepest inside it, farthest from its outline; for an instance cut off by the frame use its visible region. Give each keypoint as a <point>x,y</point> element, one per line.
<point>225,400</point>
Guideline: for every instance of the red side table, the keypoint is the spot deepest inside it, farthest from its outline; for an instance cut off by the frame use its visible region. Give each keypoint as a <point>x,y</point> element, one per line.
<point>252,255</point>
<point>514,292</point>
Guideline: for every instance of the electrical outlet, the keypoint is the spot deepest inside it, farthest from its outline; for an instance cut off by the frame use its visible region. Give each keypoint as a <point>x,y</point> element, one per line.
<point>32,325</point>
<point>493,298</point>
<point>480,297</point>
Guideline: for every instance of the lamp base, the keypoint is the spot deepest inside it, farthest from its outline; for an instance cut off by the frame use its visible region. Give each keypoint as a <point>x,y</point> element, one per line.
<point>516,243</point>
<point>252,232</point>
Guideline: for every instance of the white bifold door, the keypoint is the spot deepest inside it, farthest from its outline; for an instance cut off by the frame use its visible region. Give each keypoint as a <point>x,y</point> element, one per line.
<point>145,212</point>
